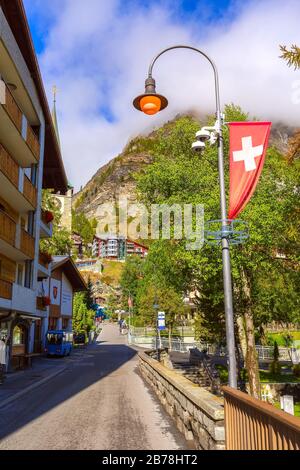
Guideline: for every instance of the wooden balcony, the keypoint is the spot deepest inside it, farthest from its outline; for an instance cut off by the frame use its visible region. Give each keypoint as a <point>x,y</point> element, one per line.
<point>8,228</point>
<point>16,117</point>
<point>5,289</point>
<point>9,167</point>
<point>13,110</point>
<point>33,142</point>
<point>27,244</point>
<point>30,191</point>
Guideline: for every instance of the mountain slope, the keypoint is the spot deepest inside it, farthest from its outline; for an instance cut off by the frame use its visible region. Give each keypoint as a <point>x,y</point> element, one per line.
<point>116,179</point>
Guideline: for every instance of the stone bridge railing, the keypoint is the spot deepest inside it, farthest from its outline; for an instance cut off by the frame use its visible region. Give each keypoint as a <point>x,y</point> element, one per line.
<point>197,413</point>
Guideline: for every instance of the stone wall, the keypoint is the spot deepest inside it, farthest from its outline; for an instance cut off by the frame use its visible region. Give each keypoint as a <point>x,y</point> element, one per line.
<point>198,414</point>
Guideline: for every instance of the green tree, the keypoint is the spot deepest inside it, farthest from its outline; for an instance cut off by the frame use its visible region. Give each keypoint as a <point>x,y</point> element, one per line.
<point>83,317</point>
<point>291,56</point>
<point>113,304</point>
<point>83,226</point>
<point>179,176</point>
<point>130,278</point>
<point>60,243</point>
<point>89,297</point>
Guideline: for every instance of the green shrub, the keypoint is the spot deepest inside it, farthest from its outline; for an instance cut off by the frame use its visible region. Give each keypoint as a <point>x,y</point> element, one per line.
<point>296,370</point>
<point>275,368</point>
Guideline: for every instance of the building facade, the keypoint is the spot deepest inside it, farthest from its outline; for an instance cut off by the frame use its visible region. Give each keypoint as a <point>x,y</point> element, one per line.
<point>30,160</point>
<point>117,248</point>
<point>59,289</point>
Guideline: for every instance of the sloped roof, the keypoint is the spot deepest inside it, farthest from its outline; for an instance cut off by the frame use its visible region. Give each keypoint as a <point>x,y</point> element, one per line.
<point>70,270</point>
<point>54,171</point>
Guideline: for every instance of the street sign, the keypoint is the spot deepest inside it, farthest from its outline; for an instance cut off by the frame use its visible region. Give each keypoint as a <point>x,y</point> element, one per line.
<point>161,321</point>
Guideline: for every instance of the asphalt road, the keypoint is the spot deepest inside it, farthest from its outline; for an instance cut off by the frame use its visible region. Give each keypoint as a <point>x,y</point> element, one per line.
<point>99,403</point>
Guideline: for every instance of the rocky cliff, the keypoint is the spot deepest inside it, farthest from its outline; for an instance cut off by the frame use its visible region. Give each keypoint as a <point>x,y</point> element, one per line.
<point>116,179</point>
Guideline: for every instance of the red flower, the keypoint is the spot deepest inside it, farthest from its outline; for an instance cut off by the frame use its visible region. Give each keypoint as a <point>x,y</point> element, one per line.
<point>46,301</point>
<point>49,217</point>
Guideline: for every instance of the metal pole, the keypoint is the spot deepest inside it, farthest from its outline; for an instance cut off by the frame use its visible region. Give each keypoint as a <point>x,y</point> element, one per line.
<point>227,282</point>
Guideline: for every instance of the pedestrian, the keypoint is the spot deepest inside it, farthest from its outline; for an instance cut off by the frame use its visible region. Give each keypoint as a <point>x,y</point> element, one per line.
<point>2,358</point>
<point>120,325</point>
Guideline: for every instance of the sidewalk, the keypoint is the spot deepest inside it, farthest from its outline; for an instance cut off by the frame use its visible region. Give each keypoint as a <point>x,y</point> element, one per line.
<point>42,370</point>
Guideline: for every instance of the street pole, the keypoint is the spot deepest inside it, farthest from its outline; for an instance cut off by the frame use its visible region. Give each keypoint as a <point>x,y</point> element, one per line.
<point>227,282</point>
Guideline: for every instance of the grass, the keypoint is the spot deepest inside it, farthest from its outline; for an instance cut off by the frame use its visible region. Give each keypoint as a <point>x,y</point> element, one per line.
<point>265,376</point>
<point>112,272</point>
<point>296,408</point>
<point>279,337</point>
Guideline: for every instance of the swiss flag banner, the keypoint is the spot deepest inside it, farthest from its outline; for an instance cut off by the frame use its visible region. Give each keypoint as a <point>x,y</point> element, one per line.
<point>248,146</point>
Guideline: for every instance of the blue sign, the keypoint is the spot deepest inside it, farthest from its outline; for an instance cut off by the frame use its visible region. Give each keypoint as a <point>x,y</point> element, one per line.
<point>161,321</point>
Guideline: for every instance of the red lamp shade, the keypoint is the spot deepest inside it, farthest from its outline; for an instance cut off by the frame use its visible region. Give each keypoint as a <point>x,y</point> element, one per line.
<point>150,104</point>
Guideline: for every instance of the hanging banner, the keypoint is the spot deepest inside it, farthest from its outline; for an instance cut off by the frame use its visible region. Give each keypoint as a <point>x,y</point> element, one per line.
<point>248,146</point>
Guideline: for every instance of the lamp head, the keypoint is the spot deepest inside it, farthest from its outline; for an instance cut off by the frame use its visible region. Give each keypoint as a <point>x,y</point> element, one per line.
<point>150,102</point>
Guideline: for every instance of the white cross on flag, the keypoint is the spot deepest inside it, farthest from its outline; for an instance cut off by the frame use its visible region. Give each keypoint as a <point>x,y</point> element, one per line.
<point>248,146</point>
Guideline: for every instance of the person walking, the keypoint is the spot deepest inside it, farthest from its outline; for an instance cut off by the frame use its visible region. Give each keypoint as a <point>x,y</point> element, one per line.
<point>2,358</point>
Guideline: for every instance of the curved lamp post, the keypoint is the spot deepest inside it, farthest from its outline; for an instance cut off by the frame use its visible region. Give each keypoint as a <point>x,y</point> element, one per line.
<point>151,103</point>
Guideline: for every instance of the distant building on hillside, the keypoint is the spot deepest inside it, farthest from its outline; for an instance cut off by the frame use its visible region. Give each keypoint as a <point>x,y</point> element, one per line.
<point>117,248</point>
<point>89,265</point>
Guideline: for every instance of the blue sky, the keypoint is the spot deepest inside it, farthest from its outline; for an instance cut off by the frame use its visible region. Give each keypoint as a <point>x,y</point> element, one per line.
<point>97,53</point>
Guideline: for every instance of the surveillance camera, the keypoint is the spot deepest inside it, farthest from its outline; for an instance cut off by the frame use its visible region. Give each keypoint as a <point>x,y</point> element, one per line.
<point>198,146</point>
<point>203,135</point>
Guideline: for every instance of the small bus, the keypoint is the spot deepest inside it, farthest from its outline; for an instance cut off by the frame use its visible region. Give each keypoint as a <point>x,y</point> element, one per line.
<point>59,343</point>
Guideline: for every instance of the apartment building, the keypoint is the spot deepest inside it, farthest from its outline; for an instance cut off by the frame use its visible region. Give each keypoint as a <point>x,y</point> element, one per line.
<point>30,160</point>
<point>117,248</point>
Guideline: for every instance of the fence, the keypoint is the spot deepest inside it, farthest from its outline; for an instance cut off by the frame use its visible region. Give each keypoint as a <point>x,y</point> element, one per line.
<point>145,331</point>
<point>142,337</point>
<point>150,342</point>
<point>251,424</point>
<point>265,353</point>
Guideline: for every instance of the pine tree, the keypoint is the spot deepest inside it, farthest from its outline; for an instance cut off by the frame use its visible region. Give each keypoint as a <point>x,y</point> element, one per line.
<point>292,56</point>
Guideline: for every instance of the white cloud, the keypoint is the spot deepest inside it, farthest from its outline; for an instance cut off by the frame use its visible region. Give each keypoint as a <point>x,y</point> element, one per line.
<point>98,55</point>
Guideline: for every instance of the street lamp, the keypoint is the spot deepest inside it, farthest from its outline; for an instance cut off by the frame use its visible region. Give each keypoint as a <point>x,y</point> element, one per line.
<point>151,103</point>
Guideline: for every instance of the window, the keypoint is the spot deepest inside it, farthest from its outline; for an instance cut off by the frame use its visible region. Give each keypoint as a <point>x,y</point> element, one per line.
<point>18,336</point>
<point>54,339</point>
<point>20,274</point>
<point>28,274</point>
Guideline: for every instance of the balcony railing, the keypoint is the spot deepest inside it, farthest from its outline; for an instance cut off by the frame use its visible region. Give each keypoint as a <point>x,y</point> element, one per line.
<point>16,116</point>
<point>33,143</point>
<point>29,191</point>
<point>9,167</point>
<point>13,109</point>
<point>27,244</point>
<point>8,228</point>
<point>252,424</point>
<point>5,289</point>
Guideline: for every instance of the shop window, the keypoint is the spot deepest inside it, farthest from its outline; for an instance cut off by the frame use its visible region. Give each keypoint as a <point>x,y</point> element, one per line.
<point>18,336</point>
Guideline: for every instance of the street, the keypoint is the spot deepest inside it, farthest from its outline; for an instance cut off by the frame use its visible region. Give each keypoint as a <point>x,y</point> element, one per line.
<point>99,403</point>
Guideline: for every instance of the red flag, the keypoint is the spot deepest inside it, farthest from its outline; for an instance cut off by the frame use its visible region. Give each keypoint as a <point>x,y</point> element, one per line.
<point>248,146</point>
